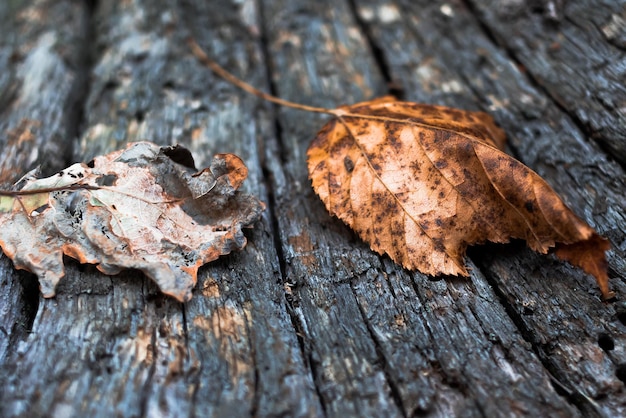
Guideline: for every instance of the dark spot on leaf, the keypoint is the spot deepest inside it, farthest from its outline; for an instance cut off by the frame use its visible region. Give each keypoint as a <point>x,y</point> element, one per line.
<point>347,162</point>
<point>414,167</point>
<point>456,115</point>
<point>321,165</point>
<point>441,136</point>
<point>491,164</point>
<point>529,206</point>
<point>106,180</point>
<point>438,244</point>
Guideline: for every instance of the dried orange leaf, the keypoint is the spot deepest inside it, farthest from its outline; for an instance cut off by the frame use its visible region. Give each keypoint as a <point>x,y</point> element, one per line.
<point>143,207</point>
<point>421,183</point>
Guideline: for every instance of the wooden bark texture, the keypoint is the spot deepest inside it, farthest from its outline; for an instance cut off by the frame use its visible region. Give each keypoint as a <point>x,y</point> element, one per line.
<point>307,321</point>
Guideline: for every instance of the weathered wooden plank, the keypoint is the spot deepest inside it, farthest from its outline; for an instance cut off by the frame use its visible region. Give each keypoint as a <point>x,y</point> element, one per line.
<point>432,338</point>
<point>431,47</point>
<point>120,348</point>
<point>313,49</point>
<point>320,326</point>
<point>42,76</point>
<point>577,53</point>
<point>39,76</point>
<point>251,294</point>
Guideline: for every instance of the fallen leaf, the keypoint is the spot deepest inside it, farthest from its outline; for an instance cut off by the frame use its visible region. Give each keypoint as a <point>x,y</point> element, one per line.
<point>421,183</point>
<point>144,207</point>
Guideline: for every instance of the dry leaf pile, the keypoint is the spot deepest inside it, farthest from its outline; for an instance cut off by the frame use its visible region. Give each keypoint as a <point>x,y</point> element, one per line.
<point>421,183</point>
<point>144,207</point>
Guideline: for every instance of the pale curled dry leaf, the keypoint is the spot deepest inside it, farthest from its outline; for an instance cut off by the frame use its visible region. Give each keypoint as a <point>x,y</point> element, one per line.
<point>143,207</point>
<point>421,183</point>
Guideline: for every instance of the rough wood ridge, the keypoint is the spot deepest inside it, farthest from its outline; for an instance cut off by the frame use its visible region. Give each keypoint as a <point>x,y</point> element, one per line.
<point>307,320</point>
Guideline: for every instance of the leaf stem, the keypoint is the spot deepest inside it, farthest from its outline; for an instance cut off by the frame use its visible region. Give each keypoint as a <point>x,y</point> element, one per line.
<point>217,69</point>
<point>14,193</point>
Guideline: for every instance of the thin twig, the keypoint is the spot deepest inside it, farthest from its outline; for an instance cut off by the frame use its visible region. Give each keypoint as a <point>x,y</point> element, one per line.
<point>215,67</point>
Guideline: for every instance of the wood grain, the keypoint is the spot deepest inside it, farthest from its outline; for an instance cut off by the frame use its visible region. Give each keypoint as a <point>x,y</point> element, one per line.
<point>307,321</point>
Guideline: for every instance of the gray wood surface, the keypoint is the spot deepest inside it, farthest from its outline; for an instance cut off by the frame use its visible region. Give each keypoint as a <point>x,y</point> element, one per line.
<point>307,321</point>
